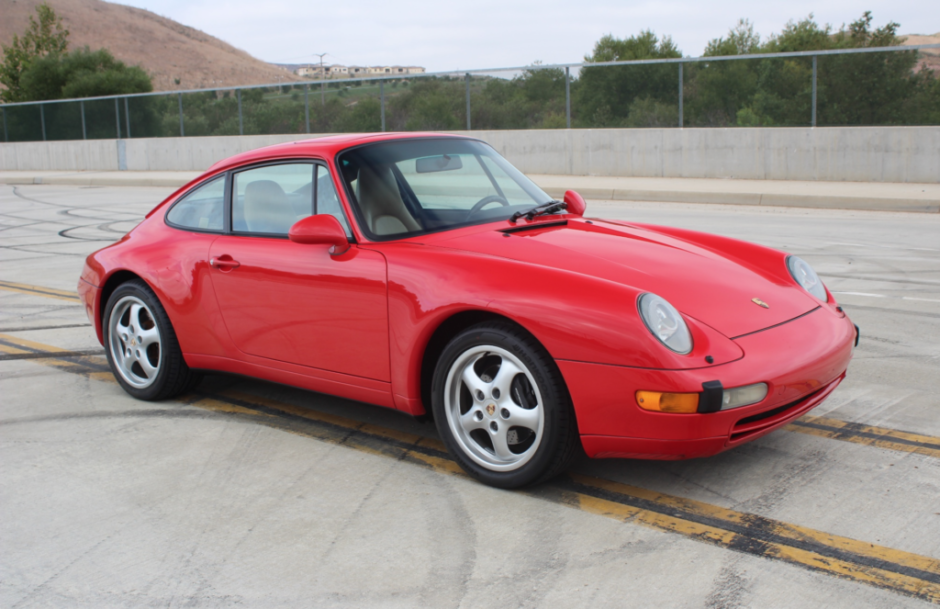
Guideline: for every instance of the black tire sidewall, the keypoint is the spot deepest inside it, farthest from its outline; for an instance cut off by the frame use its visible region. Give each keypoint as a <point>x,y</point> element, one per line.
<point>556,403</point>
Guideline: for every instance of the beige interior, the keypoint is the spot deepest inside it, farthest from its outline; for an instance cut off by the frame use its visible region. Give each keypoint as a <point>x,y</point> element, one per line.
<point>267,209</point>
<point>382,208</point>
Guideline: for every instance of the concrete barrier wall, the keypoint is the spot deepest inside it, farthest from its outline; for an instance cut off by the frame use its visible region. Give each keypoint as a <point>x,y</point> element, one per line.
<point>856,154</point>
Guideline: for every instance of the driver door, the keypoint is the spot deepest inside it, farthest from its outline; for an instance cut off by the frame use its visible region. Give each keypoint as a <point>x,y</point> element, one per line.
<point>291,302</point>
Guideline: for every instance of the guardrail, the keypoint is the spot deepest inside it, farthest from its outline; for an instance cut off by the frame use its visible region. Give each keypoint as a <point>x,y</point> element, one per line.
<point>277,108</point>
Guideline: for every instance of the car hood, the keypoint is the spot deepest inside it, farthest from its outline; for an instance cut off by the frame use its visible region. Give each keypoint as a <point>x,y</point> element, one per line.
<point>702,283</point>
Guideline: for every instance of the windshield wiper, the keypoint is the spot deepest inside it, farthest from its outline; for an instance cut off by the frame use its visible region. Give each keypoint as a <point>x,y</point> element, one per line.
<point>539,210</point>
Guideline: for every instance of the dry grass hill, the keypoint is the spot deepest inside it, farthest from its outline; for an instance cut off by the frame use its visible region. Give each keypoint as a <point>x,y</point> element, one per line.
<point>929,58</point>
<point>166,49</point>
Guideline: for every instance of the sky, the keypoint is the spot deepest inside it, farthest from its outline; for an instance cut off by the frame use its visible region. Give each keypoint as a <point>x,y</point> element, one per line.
<point>476,34</point>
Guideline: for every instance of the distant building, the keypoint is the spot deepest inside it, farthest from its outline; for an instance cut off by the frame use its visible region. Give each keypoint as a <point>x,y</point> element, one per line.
<point>340,71</point>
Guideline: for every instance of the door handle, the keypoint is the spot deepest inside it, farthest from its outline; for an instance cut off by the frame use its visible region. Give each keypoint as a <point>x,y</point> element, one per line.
<point>224,263</point>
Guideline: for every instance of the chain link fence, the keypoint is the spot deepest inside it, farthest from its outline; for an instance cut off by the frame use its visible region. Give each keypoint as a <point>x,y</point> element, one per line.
<point>863,86</point>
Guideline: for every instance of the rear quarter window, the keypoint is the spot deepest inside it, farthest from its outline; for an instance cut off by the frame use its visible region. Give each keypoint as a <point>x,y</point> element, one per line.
<point>201,209</point>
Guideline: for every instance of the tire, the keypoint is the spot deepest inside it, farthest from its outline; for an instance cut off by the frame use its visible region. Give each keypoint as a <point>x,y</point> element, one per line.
<point>141,345</point>
<point>519,383</point>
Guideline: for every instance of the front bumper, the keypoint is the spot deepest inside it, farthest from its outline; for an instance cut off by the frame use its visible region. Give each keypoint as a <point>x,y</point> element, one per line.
<point>802,361</point>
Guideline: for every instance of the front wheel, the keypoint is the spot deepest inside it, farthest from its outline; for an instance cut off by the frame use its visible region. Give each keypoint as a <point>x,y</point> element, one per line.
<point>141,345</point>
<point>501,407</point>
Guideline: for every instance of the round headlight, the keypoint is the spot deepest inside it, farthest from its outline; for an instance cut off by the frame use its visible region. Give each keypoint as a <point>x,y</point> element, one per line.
<point>665,322</point>
<point>804,275</point>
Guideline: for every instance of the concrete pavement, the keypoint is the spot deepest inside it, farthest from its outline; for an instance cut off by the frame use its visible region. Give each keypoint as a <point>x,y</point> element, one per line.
<point>251,494</point>
<point>875,196</point>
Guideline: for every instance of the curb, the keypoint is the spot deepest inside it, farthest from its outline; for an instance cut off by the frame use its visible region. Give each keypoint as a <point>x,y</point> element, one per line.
<point>604,194</point>
<point>95,181</point>
<point>756,199</point>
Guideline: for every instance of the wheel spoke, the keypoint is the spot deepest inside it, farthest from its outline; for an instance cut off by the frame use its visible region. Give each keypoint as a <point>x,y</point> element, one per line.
<point>122,328</point>
<point>473,382</point>
<point>135,316</point>
<point>501,444</point>
<point>522,417</point>
<point>148,337</point>
<point>503,380</point>
<point>149,371</point>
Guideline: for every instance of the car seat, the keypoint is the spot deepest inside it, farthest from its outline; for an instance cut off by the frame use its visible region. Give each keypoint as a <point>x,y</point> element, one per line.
<point>380,201</point>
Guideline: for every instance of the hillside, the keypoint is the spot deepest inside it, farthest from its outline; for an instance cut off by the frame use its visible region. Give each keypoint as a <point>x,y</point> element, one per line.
<point>929,58</point>
<point>164,48</point>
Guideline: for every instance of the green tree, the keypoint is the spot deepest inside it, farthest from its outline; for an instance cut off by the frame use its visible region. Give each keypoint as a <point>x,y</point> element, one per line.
<point>607,94</point>
<point>45,37</point>
<point>854,89</point>
<point>717,90</point>
<point>81,73</point>
<point>870,88</point>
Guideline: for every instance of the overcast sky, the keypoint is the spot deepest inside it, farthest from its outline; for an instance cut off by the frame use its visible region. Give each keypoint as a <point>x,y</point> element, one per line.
<point>468,34</point>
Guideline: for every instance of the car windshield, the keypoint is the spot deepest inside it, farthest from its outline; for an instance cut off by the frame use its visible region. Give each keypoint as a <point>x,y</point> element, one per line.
<point>408,187</point>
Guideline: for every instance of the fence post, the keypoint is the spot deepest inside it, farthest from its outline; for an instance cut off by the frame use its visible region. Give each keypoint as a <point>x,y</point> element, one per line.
<point>81,106</point>
<point>127,118</point>
<point>6,136</point>
<point>681,118</point>
<point>117,118</point>
<point>814,91</point>
<point>382,97</point>
<point>42,119</point>
<point>241,126</point>
<point>568,97</point>
<point>468,101</point>
<point>307,106</point>
<point>182,133</point>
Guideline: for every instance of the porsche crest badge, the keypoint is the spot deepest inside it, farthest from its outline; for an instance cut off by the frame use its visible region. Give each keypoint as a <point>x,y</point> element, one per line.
<point>490,409</point>
<point>760,303</point>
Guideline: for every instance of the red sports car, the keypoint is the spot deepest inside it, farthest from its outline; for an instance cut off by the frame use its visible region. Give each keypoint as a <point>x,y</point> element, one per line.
<point>423,272</point>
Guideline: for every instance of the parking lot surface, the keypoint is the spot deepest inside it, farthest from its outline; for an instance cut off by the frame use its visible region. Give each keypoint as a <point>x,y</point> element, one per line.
<point>250,494</point>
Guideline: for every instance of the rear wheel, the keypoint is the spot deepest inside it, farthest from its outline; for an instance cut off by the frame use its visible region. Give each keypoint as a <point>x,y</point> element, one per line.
<point>141,345</point>
<point>501,407</point>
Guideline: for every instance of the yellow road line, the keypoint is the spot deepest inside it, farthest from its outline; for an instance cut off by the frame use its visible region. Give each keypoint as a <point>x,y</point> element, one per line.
<point>35,290</point>
<point>867,435</point>
<point>834,429</point>
<point>851,559</point>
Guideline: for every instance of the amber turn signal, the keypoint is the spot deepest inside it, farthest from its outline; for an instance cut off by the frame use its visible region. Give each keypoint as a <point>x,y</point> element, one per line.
<point>667,402</point>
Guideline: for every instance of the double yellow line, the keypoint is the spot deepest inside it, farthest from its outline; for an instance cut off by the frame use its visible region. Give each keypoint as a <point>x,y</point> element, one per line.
<point>868,435</point>
<point>834,429</point>
<point>910,574</point>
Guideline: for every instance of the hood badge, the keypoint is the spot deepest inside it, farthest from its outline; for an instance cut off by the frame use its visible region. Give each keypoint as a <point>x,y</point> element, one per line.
<point>760,303</point>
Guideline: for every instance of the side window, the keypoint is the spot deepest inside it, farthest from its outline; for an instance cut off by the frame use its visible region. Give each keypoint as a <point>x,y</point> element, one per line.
<point>270,199</point>
<point>327,199</point>
<point>202,208</point>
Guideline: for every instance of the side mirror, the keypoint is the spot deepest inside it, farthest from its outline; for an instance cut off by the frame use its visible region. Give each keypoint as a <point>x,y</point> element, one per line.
<point>576,204</point>
<point>321,228</point>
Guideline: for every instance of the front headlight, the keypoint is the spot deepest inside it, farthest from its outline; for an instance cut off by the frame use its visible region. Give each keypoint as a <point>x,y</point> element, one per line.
<point>665,322</point>
<point>804,275</point>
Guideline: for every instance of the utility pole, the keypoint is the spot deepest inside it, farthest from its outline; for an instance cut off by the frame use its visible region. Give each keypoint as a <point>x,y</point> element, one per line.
<point>322,77</point>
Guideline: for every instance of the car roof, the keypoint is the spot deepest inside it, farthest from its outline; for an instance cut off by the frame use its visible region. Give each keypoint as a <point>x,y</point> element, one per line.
<point>325,147</point>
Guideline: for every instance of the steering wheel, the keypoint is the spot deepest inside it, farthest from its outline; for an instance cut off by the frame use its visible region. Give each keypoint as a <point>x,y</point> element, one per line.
<point>486,201</point>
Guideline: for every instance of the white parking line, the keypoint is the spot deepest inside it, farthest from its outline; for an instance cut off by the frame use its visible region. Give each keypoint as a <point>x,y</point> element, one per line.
<point>869,295</point>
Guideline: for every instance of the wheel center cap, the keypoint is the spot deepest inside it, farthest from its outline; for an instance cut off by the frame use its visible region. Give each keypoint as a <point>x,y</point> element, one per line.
<point>490,409</point>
